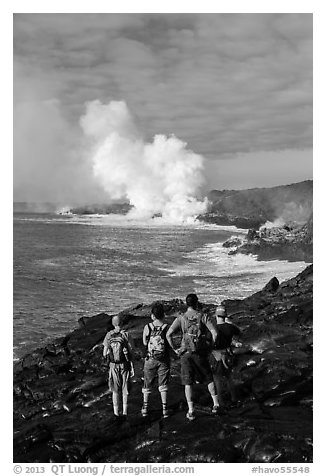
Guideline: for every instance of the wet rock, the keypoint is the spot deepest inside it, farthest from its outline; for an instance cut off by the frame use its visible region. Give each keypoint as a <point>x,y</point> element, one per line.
<point>63,407</point>
<point>290,243</point>
<point>272,285</point>
<point>233,242</point>
<point>30,436</point>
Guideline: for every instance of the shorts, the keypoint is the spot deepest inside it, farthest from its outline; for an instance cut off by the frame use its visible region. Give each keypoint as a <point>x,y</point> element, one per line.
<point>156,368</point>
<point>119,377</point>
<point>217,359</point>
<point>195,368</point>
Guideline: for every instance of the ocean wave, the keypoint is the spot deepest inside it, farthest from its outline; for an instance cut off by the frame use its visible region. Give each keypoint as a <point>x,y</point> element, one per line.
<point>214,270</point>
<point>123,221</point>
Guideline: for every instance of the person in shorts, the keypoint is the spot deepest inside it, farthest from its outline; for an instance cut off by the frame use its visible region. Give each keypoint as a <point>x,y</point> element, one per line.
<point>157,360</point>
<point>222,357</point>
<point>118,352</point>
<point>194,351</point>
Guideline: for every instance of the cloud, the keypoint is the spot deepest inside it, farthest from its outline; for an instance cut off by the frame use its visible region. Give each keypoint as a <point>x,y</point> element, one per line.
<point>160,177</point>
<point>49,161</point>
<point>260,169</point>
<point>226,84</point>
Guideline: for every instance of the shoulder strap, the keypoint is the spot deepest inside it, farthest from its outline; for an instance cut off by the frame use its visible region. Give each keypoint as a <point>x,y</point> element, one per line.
<point>150,328</point>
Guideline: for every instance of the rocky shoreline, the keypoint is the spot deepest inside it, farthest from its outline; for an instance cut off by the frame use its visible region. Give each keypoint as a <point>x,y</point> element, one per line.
<point>63,410</point>
<point>290,242</point>
<point>222,219</point>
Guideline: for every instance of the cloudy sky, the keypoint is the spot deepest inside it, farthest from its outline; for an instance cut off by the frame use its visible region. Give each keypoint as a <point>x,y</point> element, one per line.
<point>237,88</point>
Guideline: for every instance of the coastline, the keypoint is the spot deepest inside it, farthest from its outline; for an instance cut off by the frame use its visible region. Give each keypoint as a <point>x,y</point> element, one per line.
<point>63,410</point>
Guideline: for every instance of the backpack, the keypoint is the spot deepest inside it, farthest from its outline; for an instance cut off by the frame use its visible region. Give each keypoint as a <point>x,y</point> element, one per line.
<point>118,352</point>
<point>192,333</point>
<point>156,346</point>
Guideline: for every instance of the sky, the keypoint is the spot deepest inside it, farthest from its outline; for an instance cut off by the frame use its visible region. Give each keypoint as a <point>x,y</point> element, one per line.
<point>235,88</point>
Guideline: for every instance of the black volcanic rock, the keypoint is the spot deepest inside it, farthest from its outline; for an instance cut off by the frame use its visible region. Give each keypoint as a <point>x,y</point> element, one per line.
<point>293,243</point>
<point>223,219</point>
<point>232,242</point>
<point>115,208</point>
<point>63,409</point>
<point>254,207</point>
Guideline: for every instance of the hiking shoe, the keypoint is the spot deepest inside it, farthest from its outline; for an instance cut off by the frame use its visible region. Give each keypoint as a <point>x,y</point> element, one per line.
<point>190,416</point>
<point>144,412</point>
<point>166,413</point>
<point>217,410</point>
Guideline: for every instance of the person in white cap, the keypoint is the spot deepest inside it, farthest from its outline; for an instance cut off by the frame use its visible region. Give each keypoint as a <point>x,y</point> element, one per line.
<point>222,357</point>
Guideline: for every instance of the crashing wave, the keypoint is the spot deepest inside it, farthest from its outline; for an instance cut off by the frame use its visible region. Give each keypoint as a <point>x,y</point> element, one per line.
<point>64,211</point>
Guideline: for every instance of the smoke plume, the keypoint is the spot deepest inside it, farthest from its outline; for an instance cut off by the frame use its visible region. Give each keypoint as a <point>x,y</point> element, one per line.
<point>291,213</point>
<point>162,177</point>
<point>49,164</point>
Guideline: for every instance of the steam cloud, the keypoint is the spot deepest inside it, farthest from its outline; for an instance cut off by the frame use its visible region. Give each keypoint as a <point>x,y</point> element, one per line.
<point>162,177</point>
<point>291,212</point>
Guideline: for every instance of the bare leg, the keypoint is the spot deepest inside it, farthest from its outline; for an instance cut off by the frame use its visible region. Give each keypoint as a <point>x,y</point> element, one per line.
<point>125,403</point>
<point>188,394</point>
<point>164,398</point>
<point>146,393</point>
<point>212,391</point>
<point>219,388</point>
<point>115,401</point>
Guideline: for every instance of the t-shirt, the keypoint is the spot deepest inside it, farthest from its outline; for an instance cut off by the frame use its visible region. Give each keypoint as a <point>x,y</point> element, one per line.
<point>114,331</point>
<point>180,323</point>
<point>225,333</point>
<point>124,335</point>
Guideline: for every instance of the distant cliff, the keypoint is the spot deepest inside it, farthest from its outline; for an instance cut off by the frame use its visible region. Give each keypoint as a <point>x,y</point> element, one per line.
<point>254,207</point>
<point>290,242</point>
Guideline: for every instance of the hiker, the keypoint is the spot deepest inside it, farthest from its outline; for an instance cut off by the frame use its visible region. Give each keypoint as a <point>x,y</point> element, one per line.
<point>118,352</point>
<point>194,351</point>
<point>157,360</point>
<point>222,357</point>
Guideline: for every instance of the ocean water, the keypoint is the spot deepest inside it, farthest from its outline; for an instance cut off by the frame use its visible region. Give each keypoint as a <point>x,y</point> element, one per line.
<point>66,267</point>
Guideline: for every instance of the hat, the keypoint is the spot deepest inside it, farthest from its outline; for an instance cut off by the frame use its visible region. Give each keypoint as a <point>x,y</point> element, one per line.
<point>117,320</point>
<point>220,311</point>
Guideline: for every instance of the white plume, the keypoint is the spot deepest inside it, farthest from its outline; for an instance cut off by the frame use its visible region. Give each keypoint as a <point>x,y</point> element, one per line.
<point>161,177</point>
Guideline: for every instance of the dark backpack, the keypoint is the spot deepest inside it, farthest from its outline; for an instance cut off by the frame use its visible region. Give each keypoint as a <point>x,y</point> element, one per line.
<point>156,346</point>
<point>192,334</point>
<point>118,352</point>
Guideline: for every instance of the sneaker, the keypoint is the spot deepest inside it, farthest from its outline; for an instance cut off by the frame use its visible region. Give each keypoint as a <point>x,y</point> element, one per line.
<point>190,416</point>
<point>166,413</point>
<point>144,412</point>
<point>217,410</point>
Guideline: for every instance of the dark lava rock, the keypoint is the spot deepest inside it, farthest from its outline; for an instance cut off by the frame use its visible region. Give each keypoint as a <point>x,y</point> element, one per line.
<point>63,409</point>
<point>292,243</point>
<point>226,219</point>
<point>232,242</point>
<point>253,207</point>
